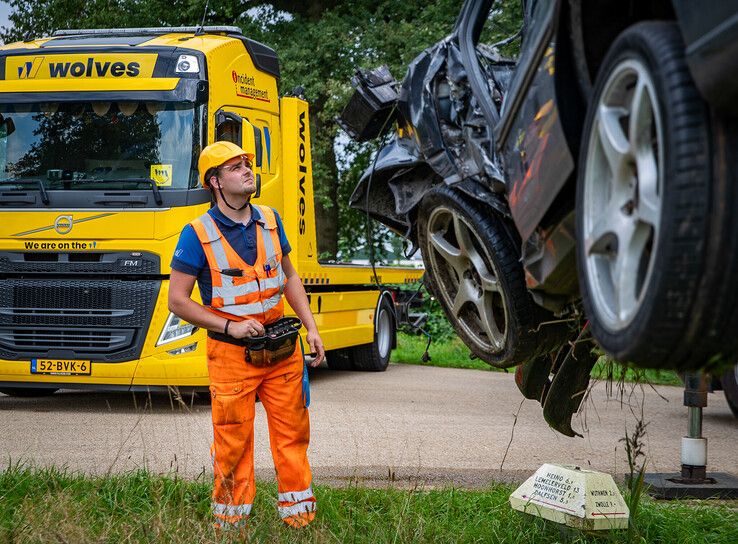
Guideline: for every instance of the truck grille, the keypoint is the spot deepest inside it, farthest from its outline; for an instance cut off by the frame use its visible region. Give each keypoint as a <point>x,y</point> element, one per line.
<point>84,319</point>
<point>117,263</point>
<point>91,341</point>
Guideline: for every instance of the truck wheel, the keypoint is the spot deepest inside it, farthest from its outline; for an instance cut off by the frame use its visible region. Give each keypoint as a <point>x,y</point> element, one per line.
<point>372,357</point>
<point>645,207</point>
<point>730,388</point>
<point>375,357</point>
<point>474,271</point>
<point>27,391</point>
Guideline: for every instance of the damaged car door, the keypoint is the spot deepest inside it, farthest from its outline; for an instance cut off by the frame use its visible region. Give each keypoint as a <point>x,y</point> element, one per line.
<point>437,182</point>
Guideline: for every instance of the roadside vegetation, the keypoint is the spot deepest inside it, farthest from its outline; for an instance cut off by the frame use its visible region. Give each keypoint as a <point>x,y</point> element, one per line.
<point>51,505</point>
<point>450,352</point>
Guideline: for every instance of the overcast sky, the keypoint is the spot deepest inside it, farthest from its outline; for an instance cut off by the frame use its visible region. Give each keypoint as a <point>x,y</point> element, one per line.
<point>4,11</point>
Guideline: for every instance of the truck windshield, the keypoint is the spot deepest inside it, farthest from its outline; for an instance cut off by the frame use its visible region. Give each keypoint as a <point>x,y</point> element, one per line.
<point>100,145</point>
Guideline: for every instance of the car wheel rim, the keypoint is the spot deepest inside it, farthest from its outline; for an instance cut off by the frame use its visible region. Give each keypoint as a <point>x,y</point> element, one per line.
<point>467,279</point>
<point>623,194</point>
<point>384,327</point>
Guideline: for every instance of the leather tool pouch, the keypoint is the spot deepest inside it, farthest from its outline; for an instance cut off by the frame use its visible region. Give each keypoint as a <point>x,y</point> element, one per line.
<point>277,344</point>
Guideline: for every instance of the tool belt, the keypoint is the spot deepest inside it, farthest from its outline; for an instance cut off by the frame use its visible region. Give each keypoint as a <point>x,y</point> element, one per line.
<point>278,342</point>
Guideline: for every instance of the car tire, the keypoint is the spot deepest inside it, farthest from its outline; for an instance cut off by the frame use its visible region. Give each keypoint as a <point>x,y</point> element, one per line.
<point>729,381</point>
<point>27,392</point>
<point>375,356</point>
<point>474,270</point>
<point>646,208</point>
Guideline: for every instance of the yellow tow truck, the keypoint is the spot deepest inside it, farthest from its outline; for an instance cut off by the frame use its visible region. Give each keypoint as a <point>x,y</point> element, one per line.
<point>100,131</point>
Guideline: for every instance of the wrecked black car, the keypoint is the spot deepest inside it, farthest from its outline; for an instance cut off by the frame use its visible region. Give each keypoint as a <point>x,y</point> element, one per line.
<point>587,188</point>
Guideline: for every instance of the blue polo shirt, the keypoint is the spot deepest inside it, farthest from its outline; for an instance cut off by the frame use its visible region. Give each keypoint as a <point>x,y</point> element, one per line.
<point>189,256</point>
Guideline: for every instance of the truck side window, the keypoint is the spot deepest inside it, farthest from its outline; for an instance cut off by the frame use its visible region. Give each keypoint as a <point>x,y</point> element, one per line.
<point>228,127</point>
<point>258,147</point>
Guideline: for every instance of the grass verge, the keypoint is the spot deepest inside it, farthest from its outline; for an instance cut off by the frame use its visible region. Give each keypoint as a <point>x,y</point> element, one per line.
<point>454,354</point>
<point>51,505</point>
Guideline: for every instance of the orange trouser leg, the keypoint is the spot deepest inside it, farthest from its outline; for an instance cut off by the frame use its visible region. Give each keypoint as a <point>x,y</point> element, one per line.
<point>289,434</point>
<point>232,389</point>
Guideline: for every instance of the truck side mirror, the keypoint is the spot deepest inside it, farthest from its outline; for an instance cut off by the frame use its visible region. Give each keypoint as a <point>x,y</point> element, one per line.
<point>228,127</point>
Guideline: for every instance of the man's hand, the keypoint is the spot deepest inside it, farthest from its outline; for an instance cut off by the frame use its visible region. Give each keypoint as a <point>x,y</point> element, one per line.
<point>245,328</point>
<point>316,346</point>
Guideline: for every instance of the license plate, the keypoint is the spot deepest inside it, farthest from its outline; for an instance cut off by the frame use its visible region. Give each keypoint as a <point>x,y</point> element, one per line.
<point>61,367</point>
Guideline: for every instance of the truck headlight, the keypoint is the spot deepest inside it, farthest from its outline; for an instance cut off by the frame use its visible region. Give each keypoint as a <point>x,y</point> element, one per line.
<point>187,64</point>
<point>175,329</point>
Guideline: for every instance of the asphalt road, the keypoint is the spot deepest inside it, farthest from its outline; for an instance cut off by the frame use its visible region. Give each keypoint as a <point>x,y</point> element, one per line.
<point>411,425</point>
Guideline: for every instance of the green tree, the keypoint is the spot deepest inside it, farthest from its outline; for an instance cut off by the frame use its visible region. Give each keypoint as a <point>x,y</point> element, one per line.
<point>320,45</point>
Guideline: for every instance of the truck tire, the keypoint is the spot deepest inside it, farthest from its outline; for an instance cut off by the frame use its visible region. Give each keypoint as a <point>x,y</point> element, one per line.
<point>473,269</point>
<point>375,357</point>
<point>372,357</point>
<point>729,381</point>
<point>27,391</point>
<point>648,191</point>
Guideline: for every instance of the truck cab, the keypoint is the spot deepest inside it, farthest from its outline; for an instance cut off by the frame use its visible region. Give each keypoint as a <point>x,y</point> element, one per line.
<point>100,131</point>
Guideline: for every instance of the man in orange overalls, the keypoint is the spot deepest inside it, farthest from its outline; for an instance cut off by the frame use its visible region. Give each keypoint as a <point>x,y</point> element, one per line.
<point>238,254</point>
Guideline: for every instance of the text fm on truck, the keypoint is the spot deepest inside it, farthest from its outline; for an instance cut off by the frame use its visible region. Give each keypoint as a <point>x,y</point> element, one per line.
<point>100,131</point>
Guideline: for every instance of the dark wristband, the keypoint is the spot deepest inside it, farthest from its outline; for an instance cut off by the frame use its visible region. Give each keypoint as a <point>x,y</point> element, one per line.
<point>225,329</point>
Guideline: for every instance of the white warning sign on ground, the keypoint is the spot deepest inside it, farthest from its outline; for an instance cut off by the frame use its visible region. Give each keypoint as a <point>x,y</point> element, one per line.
<point>572,496</point>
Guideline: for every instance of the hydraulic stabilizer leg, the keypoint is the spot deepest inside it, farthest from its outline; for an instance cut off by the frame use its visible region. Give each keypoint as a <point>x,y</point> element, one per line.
<point>569,385</point>
<point>694,445</point>
<point>694,480</point>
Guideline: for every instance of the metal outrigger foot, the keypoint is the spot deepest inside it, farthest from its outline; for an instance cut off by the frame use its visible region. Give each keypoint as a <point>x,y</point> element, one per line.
<point>693,481</point>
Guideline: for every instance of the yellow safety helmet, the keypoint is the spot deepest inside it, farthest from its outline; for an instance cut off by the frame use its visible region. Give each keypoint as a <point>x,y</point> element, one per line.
<point>216,154</point>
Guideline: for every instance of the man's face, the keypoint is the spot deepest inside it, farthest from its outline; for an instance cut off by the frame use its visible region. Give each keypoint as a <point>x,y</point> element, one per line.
<point>236,177</point>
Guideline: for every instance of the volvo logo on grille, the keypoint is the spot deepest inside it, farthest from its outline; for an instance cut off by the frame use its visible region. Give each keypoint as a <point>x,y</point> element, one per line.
<point>63,224</point>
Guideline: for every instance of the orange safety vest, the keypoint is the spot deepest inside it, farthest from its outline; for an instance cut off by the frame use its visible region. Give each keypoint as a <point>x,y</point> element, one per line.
<point>244,291</point>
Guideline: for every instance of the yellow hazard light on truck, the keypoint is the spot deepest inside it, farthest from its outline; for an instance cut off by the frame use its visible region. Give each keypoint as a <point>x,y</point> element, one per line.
<point>175,329</point>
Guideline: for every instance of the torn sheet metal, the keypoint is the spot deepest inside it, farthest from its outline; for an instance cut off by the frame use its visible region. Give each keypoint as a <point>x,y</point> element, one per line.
<point>442,137</point>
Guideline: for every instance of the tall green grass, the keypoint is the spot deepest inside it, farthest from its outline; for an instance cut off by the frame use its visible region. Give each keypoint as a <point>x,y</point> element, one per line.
<point>51,505</point>
<point>452,353</point>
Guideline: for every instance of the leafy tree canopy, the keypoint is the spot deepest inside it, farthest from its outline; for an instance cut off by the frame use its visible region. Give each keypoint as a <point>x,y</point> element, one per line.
<point>320,45</point>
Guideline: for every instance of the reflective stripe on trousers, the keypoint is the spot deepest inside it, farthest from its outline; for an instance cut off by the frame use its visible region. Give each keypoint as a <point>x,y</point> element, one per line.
<point>296,496</point>
<point>288,511</point>
<point>220,509</point>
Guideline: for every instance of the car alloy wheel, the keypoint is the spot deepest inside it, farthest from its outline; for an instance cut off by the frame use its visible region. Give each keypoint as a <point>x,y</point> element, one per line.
<point>623,194</point>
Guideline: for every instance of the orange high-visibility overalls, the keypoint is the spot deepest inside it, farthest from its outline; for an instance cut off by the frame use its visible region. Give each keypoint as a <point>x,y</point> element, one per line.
<point>234,383</point>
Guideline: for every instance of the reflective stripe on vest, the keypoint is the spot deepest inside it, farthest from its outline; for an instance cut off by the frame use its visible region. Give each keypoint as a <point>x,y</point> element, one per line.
<point>249,298</point>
